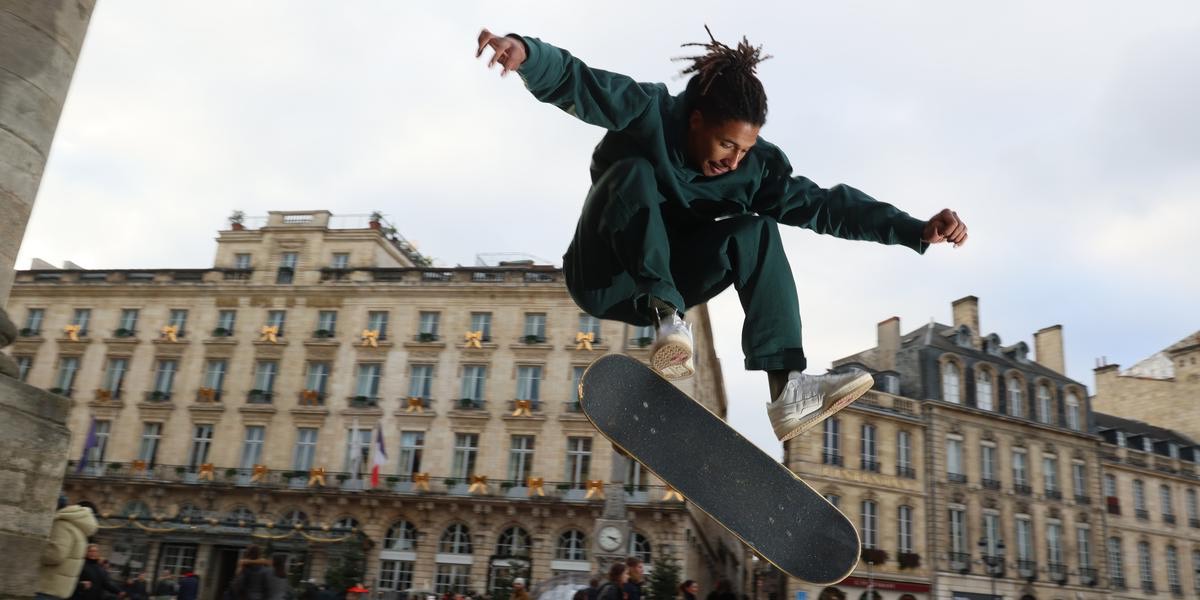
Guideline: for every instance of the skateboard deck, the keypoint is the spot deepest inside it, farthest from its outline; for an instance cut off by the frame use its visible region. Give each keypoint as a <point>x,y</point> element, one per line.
<point>720,472</point>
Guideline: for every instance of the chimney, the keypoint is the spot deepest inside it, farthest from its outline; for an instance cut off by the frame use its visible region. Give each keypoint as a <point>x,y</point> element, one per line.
<point>1048,346</point>
<point>966,312</point>
<point>888,335</point>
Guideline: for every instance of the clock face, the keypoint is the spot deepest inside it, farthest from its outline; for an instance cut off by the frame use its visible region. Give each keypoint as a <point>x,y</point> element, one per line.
<point>610,538</point>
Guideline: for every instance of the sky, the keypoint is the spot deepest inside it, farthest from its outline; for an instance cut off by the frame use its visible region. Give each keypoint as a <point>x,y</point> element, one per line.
<point>1066,136</point>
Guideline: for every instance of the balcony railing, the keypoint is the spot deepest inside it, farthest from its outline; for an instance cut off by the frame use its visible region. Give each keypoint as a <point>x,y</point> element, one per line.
<point>1114,505</point>
<point>870,465</point>
<point>259,397</point>
<point>1148,587</point>
<point>1142,514</point>
<point>574,407</point>
<point>1194,523</point>
<point>238,274</point>
<point>832,459</point>
<point>470,404</point>
<point>956,477</point>
<point>1117,582</point>
<point>1054,494</point>
<point>906,472</point>
<point>1022,489</point>
<point>363,402</point>
<point>960,561</point>
<point>1057,571</point>
<point>1176,589</point>
<point>1027,569</point>
<point>425,337</point>
<point>1087,576</point>
<point>534,406</point>
<point>1169,519</point>
<point>1083,500</point>
<point>311,398</point>
<point>157,396</point>
<point>991,484</point>
<point>208,396</point>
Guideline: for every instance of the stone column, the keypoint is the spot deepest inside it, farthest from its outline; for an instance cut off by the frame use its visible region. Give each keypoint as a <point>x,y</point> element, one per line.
<point>40,41</point>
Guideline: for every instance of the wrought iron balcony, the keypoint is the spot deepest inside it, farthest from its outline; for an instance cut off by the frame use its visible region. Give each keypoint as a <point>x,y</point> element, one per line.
<point>1054,494</point>
<point>832,459</point>
<point>870,465</point>
<point>956,477</point>
<point>1083,500</point>
<point>1027,569</point>
<point>906,472</point>
<point>1022,489</point>
<point>991,484</point>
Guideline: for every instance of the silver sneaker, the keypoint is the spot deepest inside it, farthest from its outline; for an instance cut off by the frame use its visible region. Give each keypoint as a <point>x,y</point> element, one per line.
<point>807,400</point>
<point>671,354</point>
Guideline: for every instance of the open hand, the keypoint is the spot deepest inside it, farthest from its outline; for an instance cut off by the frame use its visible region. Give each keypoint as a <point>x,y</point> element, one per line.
<point>509,52</point>
<point>945,227</point>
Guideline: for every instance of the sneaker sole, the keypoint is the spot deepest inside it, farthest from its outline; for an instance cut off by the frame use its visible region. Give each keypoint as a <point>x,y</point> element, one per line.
<point>671,359</point>
<point>852,391</point>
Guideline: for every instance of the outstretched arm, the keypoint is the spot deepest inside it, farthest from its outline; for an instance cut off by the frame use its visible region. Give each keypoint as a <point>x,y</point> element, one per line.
<point>846,212</point>
<point>552,75</point>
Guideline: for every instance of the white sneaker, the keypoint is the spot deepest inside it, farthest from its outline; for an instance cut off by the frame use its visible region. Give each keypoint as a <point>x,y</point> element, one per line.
<point>807,400</point>
<point>671,354</point>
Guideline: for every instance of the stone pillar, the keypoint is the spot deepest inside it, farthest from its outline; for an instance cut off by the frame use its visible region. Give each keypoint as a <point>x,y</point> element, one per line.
<point>40,41</point>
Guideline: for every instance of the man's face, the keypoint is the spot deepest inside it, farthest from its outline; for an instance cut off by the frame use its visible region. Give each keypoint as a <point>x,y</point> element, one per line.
<point>635,572</point>
<point>718,148</point>
<point>93,552</point>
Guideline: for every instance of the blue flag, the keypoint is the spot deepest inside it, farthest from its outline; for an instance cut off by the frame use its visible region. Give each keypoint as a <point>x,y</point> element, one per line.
<point>88,444</point>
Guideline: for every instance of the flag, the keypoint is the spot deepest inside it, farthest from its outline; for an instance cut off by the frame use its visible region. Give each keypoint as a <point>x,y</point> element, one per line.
<point>90,442</point>
<point>380,456</point>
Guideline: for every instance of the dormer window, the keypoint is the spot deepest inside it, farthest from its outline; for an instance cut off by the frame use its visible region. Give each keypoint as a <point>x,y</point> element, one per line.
<point>1173,450</point>
<point>991,345</point>
<point>963,337</point>
<point>1146,445</point>
<point>891,383</point>
<point>1121,439</point>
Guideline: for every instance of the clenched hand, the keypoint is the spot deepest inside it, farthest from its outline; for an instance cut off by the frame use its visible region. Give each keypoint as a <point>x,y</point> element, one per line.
<point>945,227</point>
<point>509,52</point>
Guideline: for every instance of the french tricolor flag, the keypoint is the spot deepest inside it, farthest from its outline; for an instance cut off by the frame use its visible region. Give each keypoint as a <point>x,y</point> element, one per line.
<point>379,457</point>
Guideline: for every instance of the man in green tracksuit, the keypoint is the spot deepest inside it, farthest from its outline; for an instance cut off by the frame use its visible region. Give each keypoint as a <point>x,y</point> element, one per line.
<point>686,200</point>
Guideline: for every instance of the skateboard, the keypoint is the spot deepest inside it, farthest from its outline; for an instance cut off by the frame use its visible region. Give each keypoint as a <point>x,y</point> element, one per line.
<point>720,472</point>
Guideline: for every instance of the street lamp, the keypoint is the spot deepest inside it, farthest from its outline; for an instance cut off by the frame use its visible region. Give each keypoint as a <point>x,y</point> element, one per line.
<point>995,564</point>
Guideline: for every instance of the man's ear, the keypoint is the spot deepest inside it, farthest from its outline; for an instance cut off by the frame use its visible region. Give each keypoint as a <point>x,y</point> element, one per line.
<point>696,119</point>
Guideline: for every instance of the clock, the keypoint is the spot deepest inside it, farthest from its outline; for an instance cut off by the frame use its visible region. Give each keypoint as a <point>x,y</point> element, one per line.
<point>610,538</point>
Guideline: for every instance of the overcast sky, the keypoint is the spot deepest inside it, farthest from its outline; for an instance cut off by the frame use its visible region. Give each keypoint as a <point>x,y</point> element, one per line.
<point>1065,134</point>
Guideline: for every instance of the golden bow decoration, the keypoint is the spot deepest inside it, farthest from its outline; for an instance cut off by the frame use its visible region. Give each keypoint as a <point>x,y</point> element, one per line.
<point>171,333</point>
<point>103,395</point>
<point>478,484</point>
<point>370,337</point>
<point>535,485</point>
<point>415,405</point>
<point>523,408</point>
<point>595,489</point>
<point>309,397</point>
<point>474,339</point>
<point>206,472</point>
<point>72,332</point>
<point>269,333</point>
<point>672,494</point>
<point>583,341</point>
<point>260,473</point>
<point>316,476</point>
<point>139,465</point>
<point>208,394</point>
<point>421,481</point>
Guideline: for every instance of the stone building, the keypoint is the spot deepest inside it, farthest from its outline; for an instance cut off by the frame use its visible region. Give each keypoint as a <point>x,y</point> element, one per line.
<point>1152,541</point>
<point>1166,387</point>
<point>244,403</point>
<point>978,452</point>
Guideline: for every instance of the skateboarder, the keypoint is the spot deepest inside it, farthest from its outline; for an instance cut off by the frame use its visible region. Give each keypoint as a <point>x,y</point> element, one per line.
<point>687,199</point>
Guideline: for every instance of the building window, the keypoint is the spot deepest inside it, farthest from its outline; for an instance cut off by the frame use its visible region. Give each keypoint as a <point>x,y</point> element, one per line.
<point>529,380</point>
<point>987,463</point>
<point>358,450</point>
<point>466,449</point>
<point>832,442</point>
<point>950,386</point>
<point>983,389</point>
<point>252,446</point>
<point>633,476</point>
<point>1115,557</point>
<point>1083,545</point>
<point>178,320</point>
<point>420,381</point>
<point>1043,400</point>
<point>214,375</point>
<point>482,322</point>
<point>377,320</point>
<point>1020,472</point>
<point>395,575</point>
<point>1079,479</point>
<point>1144,566</point>
<point>905,525</point>
<point>114,376</point>
<point>520,459</point>
<point>129,319</point>
<point>1073,411</point>
<point>513,541</point>
<point>472,382</point>
<point>306,449</point>
<point>429,325</point>
<point>958,532</point>
<point>326,323</point>
<point>1054,543</point>
<point>954,460</point>
<point>316,377</point>
<point>201,443</point>
<point>97,453</point>
<point>287,268</point>
<point>590,324</point>
<point>264,378</point>
<point>1168,508</point>
<point>1173,570</point>
<point>579,458</point>
<point>1110,485</point>
<point>833,499</point>
<point>1050,474</point>
<point>33,321</point>
<point>1016,398</point>
<point>412,444</point>
<point>164,377</point>
<point>241,261</point>
<point>24,365</point>
<point>904,454</point>
<point>82,317</point>
<point>151,435</point>
<point>1120,439</point>
<point>277,319</point>
<point>991,532</point>
<point>67,367</point>
<point>366,383</point>
<point>571,546</point>
<point>869,458</point>
<point>225,323</point>
<point>1193,512</point>
<point>535,327</point>
<point>177,558</point>
<point>1139,496</point>
<point>869,525</point>
<point>639,546</point>
<point>341,260</point>
<point>576,377</point>
<point>1024,539</point>
<point>452,578</point>
<point>455,540</point>
<point>400,537</point>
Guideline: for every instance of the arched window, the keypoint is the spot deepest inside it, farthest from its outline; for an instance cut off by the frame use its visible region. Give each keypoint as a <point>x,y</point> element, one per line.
<point>455,540</point>
<point>1016,397</point>
<point>639,546</point>
<point>950,382</point>
<point>1044,404</point>
<point>983,389</point>
<point>136,508</point>
<point>513,541</point>
<point>346,523</point>
<point>190,512</point>
<point>293,518</point>
<point>401,536</point>
<point>240,514</point>
<point>1073,410</point>
<point>571,546</point>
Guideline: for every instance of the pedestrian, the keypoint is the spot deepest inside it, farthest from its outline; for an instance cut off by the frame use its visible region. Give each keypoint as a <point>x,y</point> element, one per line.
<point>94,581</point>
<point>63,555</point>
<point>519,591</point>
<point>277,583</point>
<point>189,586</point>
<point>325,592</point>
<point>637,578</point>
<point>688,590</point>
<point>252,578</point>
<point>613,589</point>
<point>723,591</point>
<point>356,592</point>
<point>687,199</point>
<point>593,588</point>
<point>165,588</point>
<point>135,587</point>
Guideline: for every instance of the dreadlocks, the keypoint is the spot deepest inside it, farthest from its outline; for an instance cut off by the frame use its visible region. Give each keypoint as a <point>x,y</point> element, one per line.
<point>724,86</point>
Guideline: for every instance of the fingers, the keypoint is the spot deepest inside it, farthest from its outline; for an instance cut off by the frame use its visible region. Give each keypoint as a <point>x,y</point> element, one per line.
<point>485,36</point>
